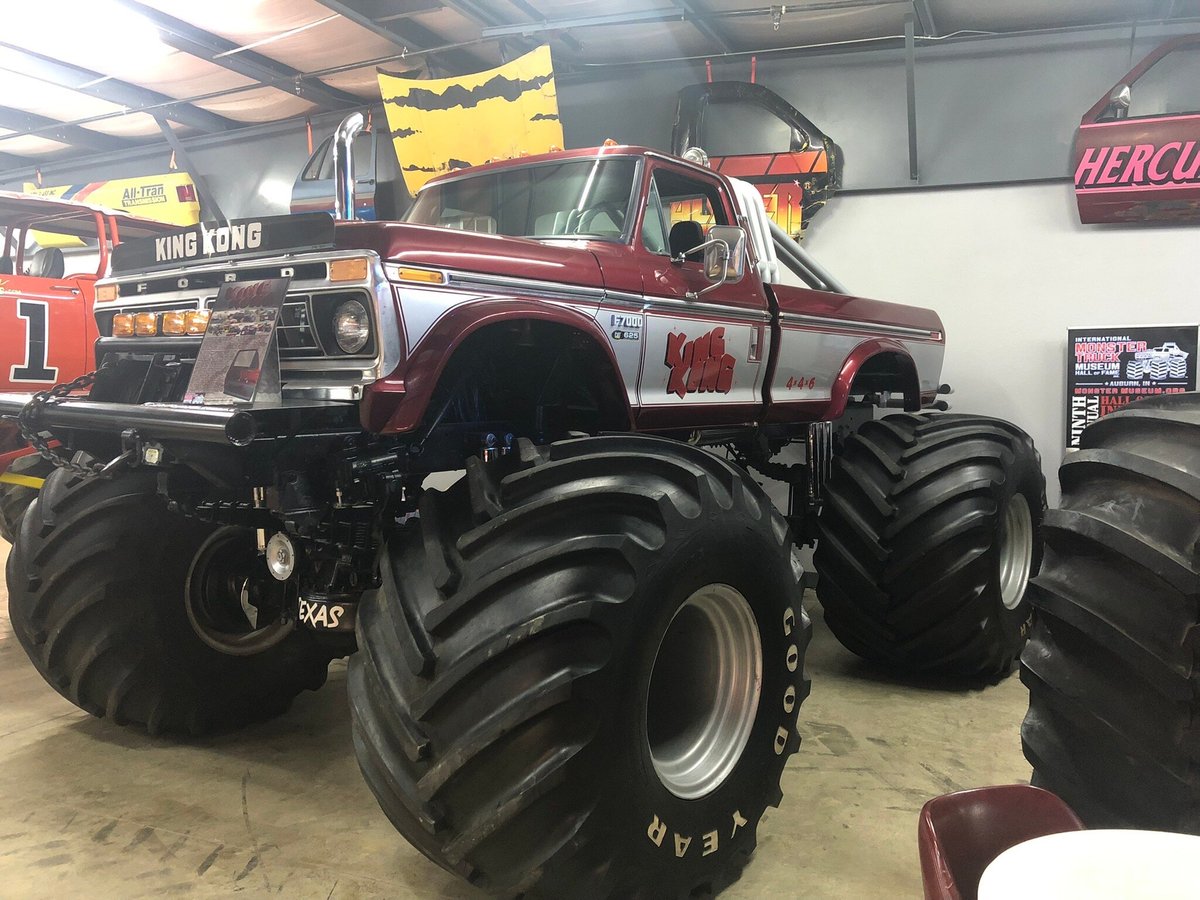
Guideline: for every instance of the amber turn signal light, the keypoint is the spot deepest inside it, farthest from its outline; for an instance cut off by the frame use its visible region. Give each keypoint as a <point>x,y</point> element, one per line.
<point>107,292</point>
<point>425,276</point>
<point>145,324</point>
<point>173,323</point>
<point>122,325</point>
<point>196,321</point>
<point>354,269</point>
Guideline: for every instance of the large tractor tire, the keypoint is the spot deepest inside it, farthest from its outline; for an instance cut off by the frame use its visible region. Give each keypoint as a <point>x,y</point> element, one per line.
<point>1111,666</point>
<point>15,498</point>
<point>930,531</point>
<point>581,674</point>
<point>96,584</point>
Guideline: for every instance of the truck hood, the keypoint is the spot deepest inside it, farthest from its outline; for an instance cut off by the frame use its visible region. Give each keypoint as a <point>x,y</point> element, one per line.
<point>446,248</point>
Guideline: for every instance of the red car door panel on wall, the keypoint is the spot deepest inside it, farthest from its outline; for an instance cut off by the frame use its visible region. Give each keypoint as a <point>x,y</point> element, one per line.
<point>1137,152</point>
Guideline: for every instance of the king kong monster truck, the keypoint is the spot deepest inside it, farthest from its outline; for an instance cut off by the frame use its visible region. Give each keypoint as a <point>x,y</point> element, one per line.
<point>579,669</point>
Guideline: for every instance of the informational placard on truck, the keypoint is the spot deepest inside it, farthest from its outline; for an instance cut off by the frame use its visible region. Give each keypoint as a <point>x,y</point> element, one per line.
<point>1110,367</point>
<point>239,357</point>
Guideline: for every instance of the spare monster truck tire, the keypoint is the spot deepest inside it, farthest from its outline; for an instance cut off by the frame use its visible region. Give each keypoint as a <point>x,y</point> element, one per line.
<point>930,531</point>
<point>1111,665</point>
<point>581,674</point>
<point>96,583</point>
<point>15,498</point>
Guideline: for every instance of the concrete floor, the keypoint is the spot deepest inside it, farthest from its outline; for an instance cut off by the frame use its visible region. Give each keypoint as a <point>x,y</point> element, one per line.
<point>89,809</point>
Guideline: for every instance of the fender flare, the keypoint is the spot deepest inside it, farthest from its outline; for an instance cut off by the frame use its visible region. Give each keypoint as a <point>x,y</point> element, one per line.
<point>858,357</point>
<point>397,402</point>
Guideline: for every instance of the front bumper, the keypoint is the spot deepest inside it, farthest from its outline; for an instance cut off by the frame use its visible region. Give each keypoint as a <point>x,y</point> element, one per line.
<point>229,426</point>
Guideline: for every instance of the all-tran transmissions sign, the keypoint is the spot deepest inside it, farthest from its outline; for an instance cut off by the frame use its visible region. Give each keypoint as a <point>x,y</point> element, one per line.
<point>1110,367</point>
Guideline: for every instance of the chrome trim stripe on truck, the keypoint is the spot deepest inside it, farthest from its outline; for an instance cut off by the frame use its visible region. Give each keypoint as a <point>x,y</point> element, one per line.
<point>873,328</point>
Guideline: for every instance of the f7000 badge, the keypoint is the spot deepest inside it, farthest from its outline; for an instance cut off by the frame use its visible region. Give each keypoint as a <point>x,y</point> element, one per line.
<point>624,320</point>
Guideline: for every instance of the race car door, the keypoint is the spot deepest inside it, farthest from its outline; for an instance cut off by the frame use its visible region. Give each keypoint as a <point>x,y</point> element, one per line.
<point>702,358</point>
<point>1137,151</point>
<point>44,330</point>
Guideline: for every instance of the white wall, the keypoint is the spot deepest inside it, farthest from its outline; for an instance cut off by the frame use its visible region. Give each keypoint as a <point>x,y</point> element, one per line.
<point>1009,269</point>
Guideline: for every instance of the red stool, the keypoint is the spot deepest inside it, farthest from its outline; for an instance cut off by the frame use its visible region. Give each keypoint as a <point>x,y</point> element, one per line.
<point>960,833</point>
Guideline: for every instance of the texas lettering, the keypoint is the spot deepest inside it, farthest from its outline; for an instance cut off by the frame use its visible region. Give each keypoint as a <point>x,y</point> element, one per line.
<point>700,366</point>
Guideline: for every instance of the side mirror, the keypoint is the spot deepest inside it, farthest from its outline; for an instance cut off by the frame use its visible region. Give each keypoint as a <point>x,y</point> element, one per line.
<point>725,254</point>
<point>1119,101</point>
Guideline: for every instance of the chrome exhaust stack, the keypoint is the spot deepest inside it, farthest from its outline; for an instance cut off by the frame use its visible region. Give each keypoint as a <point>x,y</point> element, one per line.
<point>343,165</point>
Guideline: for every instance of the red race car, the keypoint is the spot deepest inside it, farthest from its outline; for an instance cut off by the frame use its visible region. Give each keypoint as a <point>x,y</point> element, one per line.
<point>1137,151</point>
<point>46,324</point>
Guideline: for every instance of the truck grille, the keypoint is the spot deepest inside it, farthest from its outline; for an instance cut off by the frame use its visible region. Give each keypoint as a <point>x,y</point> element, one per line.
<point>305,324</point>
<point>312,364</point>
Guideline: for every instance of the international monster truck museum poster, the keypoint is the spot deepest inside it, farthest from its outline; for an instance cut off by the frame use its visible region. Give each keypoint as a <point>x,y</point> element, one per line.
<point>1110,367</point>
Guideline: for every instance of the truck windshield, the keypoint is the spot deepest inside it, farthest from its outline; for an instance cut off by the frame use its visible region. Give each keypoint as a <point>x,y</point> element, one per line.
<point>582,198</point>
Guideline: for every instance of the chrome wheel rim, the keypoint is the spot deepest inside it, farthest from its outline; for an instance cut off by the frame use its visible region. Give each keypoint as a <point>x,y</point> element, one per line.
<point>704,691</point>
<point>1016,550</point>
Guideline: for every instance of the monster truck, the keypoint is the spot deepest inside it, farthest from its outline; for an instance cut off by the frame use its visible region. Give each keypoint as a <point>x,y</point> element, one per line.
<point>48,305</point>
<point>578,668</point>
<point>1158,363</point>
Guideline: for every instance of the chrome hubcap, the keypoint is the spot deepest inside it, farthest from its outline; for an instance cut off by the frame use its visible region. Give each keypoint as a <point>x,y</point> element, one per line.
<point>704,691</point>
<point>1016,551</point>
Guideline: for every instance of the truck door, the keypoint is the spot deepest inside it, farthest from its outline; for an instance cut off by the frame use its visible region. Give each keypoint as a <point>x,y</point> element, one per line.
<point>702,358</point>
<point>313,189</point>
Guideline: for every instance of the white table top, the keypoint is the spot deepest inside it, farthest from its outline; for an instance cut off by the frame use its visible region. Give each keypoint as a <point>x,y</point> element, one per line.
<point>1100,864</point>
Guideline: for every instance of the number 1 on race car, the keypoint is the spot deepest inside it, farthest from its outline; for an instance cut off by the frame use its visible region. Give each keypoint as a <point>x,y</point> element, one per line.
<point>35,313</point>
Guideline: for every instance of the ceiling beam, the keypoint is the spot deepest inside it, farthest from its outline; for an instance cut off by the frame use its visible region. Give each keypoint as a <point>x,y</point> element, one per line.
<point>548,25</point>
<point>112,90</point>
<point>405,34</point>
<point>681,11</point>
<point>566,39</point>
<point>8,161</point>
<point>925,18</point>
<point>227,54</point>
<point>482,14</point>
<point>19,120</point>
<point>696,17</point>
<point>476,12</point>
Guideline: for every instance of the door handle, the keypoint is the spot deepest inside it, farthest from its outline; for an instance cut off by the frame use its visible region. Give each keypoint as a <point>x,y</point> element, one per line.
<point>756,343</point>
<point>66,288</point>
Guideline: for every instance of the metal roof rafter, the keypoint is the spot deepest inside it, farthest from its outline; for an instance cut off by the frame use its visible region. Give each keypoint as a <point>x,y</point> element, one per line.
<point>227,54</point>
<point>925,18</point>
<point>63,132</point>
<point>697,19</point>
<point>94,84</point>
<point>403,33</point>
<point>482,14</point>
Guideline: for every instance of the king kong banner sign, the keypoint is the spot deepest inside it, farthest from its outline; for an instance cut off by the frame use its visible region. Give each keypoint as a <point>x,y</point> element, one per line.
<point>1110,367</point>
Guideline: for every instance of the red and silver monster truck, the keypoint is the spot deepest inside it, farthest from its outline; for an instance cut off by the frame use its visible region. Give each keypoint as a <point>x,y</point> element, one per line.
<point>579,668</point>
<point>47,329</point>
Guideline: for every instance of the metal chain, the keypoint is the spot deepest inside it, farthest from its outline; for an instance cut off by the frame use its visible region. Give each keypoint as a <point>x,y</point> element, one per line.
<point>30,415</point>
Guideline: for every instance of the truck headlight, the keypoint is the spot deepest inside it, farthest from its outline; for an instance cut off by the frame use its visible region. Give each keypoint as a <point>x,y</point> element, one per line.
<point>351,326</point>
